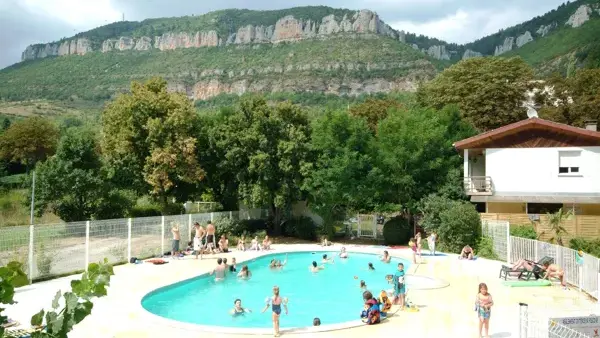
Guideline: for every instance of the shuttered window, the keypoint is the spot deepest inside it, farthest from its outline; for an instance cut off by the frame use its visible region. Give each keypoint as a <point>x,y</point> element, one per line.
<point>569,162</point>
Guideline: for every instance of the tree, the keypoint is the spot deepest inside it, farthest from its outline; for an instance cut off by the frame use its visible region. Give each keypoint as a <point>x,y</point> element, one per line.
<point>415,153</point>
<point>344,175</point>
<point>149,139</point>
<point>29,141</point>
<point>572,100</point>
<point>72,183</point>
<point>5,123</point>
<point>555,223</point>
<point>374,110</point>
<point>460,225</point>
<point>489,91</point>
<point>271,146</point>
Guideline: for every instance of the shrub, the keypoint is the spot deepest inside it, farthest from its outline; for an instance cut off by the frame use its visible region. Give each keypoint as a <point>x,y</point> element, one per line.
<point>147,210</point>
<point>253,225</point>
<point>228,226</point>
<point>431,207</point>
<point>173,209</point>
<point>300,227</point>
<point>396,231</point>
<point>460,225</point>
<point>485,248</point>
<point>523,231</point>
<point>589,246</point>
<point>44,261</point>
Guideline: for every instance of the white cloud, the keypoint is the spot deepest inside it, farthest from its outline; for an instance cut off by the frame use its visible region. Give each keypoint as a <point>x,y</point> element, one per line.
<point>465,26</point>
<point>80,14</point>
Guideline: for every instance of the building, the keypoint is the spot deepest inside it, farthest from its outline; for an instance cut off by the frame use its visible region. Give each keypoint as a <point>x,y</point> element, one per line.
<point>533,167</point>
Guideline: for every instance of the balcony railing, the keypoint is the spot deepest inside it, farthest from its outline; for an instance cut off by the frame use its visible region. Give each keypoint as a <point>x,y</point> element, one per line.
<point>478,185</point>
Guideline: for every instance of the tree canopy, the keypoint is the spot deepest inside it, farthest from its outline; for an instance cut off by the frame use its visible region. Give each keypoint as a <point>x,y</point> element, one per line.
<point>28,141</point>
<point>489,91</point>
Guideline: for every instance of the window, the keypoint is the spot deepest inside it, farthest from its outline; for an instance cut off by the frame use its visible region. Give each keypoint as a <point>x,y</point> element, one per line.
<point>568,162</point>
<point>543,208</point>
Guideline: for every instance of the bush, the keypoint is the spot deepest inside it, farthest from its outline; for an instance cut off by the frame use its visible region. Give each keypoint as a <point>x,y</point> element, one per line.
<point>173,209</point>
<point>431,207</point>
<point>485,248</point>
<point>147,210</point>
<point>589,246</point>
<point>228,226</point>
<point>460,225</point>
<point>523,231</point>
<point>397,231</point>
<point>300,227</point>
<point>251,226</point>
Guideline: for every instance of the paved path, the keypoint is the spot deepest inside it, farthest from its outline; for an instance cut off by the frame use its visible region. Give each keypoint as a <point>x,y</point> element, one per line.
<point>445,312</point>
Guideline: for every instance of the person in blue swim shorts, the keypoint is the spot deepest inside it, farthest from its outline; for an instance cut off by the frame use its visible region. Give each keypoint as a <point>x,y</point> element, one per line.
<point>399,282</point>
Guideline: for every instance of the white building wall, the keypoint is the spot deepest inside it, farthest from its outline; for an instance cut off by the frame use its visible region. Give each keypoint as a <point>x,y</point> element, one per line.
<point>535,170</point>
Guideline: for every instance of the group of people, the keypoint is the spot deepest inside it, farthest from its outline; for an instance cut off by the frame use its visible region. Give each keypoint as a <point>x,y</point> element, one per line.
<point>205,242</point>
<point>415,244</point>
<point>275,302</point>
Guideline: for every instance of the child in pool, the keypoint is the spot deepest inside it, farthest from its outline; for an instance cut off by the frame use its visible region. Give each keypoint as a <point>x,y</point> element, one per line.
<point>371,267</point>
<point>363,285</point>
<point>386,303</point>
<point>275,302</point>
<point>238,310</point>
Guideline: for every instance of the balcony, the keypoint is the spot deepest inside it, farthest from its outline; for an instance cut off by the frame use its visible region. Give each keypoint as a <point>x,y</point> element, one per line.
<point>478,185</point>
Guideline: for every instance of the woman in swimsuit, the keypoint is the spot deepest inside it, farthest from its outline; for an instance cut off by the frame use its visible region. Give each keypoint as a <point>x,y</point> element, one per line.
<point>275,303</point>
<point>483,306</point>
<point>244,273</point>
<point>238,310</point>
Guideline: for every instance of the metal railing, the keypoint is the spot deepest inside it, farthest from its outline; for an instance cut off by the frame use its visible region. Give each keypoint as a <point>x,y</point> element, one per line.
<point>48,250</point>
<point>536,325</point>
<point>510,249</point>
<point>478,185</point>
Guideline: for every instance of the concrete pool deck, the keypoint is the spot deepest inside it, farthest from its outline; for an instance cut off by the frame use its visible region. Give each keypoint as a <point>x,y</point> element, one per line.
<point>444,312</point>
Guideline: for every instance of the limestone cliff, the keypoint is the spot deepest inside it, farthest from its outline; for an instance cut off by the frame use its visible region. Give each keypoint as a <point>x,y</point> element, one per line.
<point>524,39</point>
<point>286,29</point>
<point>470,54</point>
<point>505,47</point>
<point>581,16</point>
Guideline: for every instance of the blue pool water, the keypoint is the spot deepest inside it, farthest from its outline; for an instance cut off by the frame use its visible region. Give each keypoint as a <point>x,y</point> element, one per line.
<point>332,294</point>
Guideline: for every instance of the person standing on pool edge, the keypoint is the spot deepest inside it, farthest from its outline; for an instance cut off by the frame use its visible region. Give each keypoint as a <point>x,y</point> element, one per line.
<point>276,302</point>
<point>211,245</point>
<point>198,235</point>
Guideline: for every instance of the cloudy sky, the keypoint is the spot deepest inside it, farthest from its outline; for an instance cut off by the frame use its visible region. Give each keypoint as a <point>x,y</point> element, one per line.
<point>24,22</point>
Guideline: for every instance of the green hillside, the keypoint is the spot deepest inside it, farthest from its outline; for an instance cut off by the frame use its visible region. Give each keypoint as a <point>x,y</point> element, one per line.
<point>97,76</point>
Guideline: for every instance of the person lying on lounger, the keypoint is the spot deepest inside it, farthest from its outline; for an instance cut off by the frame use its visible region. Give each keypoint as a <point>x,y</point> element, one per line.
<point>467,253</point>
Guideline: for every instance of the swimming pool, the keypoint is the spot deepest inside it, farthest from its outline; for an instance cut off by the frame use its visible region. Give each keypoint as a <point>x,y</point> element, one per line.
<point>332,294</point>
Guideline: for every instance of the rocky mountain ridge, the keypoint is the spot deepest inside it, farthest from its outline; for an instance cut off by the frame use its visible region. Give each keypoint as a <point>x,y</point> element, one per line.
<point>286,29</point>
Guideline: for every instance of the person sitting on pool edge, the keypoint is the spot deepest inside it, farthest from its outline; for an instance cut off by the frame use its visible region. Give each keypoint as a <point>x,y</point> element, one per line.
<point>238,310</point>
<point>371,314</point>
<point>385,303</point>
<point>315,268</point>
<point>266,243</point>
<point>467,253</point>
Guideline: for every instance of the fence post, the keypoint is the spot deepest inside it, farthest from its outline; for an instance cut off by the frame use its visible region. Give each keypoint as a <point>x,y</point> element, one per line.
<point>31,231</point>
<point>523,320</point>
<point>598,289</point>
<point>87,244</point>
<point>230,215</point>
<point>508,242</point>
<point>162,236</point>
<point>129,239</point>
<point>189,227</point>
<point>211,217</point>
<point>535,251</point>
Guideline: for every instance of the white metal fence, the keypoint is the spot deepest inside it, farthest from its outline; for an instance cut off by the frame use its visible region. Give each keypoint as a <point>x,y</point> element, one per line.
<point>534,324</point>
<point>56,249</point>
<point>510,249</point>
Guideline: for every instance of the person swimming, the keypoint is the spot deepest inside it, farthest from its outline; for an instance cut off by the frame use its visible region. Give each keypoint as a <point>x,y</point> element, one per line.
<point>363,285</point>
<point>371,267</point>
<point>327,260</point>
<point>343,253</point>
<point>315,267</point>
<point>244,273</point>
<point>276,263</point>
<point>238,310</point>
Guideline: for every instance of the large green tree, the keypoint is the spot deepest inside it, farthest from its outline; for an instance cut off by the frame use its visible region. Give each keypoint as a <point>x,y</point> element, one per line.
<point>270,147</point>
<point>416,153</point>
<point>29,141</point>
<point>571,100</point>
<point>344,175</point>
<point>489,91</point>
<point>149,139</point>
<point>72,183</point>
<point>374,110</point>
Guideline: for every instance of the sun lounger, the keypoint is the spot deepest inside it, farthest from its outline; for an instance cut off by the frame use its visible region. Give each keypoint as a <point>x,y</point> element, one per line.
<point>524,274</point>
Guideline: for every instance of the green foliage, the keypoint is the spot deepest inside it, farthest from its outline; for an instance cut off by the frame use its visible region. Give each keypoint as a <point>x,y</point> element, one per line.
<point>229,227</point>
<point>149,142</point>
<point>11,277</point>
<point>457,223</point>
<point>397,231</point>
<point>28,141</point>
<point>44,260</point>
<point>523,231</point>
<point>302,227</point>
<point>555,223</point>
<point>374,110</point>
<point>99,76</point>
<point>489,91</point>
<point>144,211</point>
<point>485,248</point>
<point>73,183</point>
<point>252,226</point>
<point>416,146</point>
<point>574,100</point>
<point>57,323</point>
<point>588,246</point>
